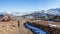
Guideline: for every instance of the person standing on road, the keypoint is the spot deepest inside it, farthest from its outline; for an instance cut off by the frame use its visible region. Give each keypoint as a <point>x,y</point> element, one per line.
<point>18,24</point>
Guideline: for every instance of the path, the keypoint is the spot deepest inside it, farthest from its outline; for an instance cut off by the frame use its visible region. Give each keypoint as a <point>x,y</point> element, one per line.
<point>12,28</point>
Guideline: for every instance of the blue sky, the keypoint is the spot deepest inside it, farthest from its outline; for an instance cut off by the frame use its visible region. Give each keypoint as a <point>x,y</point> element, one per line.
<point>28,5</point>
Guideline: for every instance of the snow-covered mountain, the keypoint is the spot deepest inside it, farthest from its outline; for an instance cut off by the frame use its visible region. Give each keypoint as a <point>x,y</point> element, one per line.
<point>50,11</point>
<point>54,11</point>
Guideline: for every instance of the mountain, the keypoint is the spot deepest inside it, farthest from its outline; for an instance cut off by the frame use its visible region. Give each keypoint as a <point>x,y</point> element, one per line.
<point>54,11</point>
<point>50,14</point>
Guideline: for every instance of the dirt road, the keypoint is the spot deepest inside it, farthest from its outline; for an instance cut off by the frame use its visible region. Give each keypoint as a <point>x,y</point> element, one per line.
<point>12,28</point>
<point>22,29</point>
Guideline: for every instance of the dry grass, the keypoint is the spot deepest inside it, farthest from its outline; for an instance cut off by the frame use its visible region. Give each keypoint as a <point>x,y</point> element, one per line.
<point>11,27</point>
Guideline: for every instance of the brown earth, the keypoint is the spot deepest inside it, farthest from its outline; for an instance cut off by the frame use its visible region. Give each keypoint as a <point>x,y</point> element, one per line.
<point>44,25</point>
<point>11,27</point>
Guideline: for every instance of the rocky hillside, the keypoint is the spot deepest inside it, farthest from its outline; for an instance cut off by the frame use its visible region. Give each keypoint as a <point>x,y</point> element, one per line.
<point>51,14</point>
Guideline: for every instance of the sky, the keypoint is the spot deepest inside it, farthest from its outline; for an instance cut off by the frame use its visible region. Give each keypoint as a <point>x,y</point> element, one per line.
<point>28,5</point>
